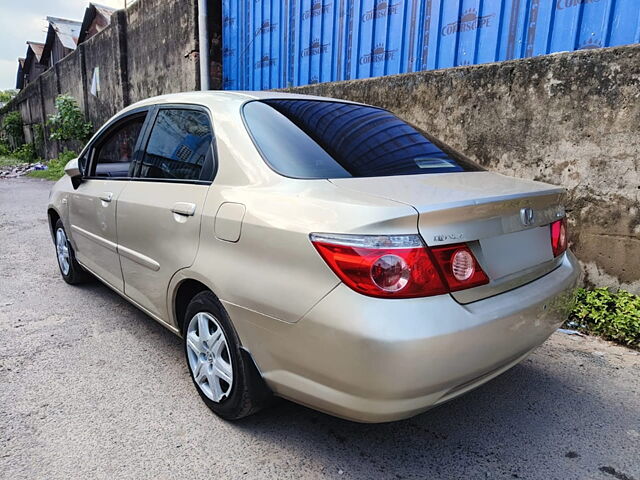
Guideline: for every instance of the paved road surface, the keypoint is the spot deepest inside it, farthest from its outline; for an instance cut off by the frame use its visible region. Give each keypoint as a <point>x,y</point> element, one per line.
<point>92,388</point>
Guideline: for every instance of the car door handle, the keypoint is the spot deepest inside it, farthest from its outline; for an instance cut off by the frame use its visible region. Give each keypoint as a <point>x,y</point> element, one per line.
<point>106,197</point>
<point>184,208</point>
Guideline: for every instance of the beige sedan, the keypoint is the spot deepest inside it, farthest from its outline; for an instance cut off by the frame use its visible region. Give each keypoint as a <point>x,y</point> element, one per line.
<point>315,249</point>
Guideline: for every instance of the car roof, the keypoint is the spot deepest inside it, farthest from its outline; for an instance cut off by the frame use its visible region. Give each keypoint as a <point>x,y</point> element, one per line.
<point>239,96</point>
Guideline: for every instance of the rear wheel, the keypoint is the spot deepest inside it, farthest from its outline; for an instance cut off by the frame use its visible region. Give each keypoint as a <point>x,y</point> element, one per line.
<point>70,269</point>
<point>222,372</point>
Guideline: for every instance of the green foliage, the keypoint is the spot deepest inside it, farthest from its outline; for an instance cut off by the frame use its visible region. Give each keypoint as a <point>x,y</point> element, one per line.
<point>68,122</point>
<point>612,315</point>
<point>55,166</point>
<point>25,153</point>
<point>12,127</point>
<point>66,156</point>
<point>5,150</point>
<point>6,95</point>
<point>38,137</point>
<point>7,161</point>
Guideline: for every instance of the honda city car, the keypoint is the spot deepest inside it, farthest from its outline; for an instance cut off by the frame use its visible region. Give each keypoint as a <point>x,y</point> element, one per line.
<point>314,249</point>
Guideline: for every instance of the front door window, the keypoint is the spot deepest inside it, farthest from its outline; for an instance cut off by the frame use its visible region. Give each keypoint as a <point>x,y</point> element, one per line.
<point>114,156</point>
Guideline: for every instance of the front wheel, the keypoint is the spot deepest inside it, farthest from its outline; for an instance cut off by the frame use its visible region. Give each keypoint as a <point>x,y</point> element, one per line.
<point>70,269</point>
<point>223,373</point>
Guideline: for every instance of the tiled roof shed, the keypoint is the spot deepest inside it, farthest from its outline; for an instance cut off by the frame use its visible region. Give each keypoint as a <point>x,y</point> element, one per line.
<point>20,76</point>
<point>31,67</point>
<point>96,18</point>
<point>37,48</point>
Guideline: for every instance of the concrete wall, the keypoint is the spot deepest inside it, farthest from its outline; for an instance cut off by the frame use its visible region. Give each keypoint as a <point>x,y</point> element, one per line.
<point>30,109</point>
<point>168,32</point>
<point>570,119</point>
<point>69,75</point>
<point>69,78</point>
<point>49,90</point>
<point>102,51</point>
<point>149,49</point>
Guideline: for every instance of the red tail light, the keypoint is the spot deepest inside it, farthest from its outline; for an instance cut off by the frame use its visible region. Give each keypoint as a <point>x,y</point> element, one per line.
<point>398,266</point>
<point>559,236</point>
<point>460,267</point>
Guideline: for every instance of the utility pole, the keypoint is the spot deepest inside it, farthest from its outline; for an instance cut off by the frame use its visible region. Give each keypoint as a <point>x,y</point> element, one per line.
<point>203,42</point>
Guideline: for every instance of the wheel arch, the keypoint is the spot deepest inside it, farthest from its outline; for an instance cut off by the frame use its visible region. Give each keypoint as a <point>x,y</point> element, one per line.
<point>53,216</point>
<point>185,289</point>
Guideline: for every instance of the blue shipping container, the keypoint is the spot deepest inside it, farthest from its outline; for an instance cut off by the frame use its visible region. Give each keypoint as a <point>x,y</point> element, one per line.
<point>276,44</point>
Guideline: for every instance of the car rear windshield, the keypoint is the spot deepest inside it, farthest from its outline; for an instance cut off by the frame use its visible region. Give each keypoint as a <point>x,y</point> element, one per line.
<point>326,139</point>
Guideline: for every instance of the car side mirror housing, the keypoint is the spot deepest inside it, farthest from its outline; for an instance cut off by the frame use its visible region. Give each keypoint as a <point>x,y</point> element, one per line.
<point>72,168</point>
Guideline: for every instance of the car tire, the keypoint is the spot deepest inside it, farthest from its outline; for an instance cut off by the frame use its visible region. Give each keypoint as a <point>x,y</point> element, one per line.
<point>70,269</point>
<point>222,371</point>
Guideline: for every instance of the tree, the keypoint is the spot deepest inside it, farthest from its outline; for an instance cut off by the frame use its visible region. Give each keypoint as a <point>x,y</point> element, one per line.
<point>6,95</point>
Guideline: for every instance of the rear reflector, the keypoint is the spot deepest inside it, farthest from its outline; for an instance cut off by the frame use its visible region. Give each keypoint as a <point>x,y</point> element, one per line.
<point>559,236</point>
<point>398,266</point>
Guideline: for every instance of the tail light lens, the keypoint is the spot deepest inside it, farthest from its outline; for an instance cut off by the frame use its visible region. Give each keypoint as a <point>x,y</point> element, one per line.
<point>460,267</point>
<point>399,266</point>
<point>559,236</point>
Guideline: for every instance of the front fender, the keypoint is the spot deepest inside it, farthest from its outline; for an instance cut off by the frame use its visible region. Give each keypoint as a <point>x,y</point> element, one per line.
<point>58,206</point>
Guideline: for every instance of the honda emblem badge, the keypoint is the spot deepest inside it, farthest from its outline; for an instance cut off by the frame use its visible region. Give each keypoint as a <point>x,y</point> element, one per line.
<point>527,216</point>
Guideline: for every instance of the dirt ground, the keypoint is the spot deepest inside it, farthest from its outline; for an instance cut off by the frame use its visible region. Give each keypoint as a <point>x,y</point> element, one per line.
<point>90,387</point>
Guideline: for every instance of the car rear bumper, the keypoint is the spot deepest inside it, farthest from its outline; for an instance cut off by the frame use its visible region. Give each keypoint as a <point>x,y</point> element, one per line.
<point>376,360</point>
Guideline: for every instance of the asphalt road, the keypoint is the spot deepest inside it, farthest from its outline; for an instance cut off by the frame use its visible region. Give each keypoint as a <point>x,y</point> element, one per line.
<point>90,387</point>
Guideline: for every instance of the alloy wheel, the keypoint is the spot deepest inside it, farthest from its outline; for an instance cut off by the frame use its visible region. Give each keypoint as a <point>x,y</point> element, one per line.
<point>62,249</point>
<point>209,358</point>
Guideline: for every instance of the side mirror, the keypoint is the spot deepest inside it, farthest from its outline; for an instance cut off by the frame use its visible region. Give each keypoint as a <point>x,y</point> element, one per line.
<point>73,170</point>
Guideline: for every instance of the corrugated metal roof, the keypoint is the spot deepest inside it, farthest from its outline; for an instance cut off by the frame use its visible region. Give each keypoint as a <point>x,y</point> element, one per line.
<point>66,30</point>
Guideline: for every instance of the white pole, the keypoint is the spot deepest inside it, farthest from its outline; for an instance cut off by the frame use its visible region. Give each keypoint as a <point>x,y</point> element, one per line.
<point>203,40</point>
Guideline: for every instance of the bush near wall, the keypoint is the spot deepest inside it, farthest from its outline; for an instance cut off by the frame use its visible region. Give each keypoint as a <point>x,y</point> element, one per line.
<point>25,153</point>
<point>5,150</point>
<point>611,315</point>
<point>12,128</point>
<point>68,123</point>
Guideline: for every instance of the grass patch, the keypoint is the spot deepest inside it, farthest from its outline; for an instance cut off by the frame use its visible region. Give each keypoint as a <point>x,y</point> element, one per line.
<point>54,172</point>
<point>611,315</point>
<point>55,169</point>
<point>9,161</point>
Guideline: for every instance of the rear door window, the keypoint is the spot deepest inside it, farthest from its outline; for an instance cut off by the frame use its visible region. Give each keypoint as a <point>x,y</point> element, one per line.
<point>113,157</point>
<point>179,147</point>
<point>327,139</point>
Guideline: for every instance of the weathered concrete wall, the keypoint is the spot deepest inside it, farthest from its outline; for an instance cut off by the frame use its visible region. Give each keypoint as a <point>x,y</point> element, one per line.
<point>570,119</point>
<point>30,109</point>
<point>167,32</point>
<point>103,52</point>
<point>26,125</point>
<point>149,49</point>
<point>69,77</point>
<point>49,90</point>
<point>69,73</point>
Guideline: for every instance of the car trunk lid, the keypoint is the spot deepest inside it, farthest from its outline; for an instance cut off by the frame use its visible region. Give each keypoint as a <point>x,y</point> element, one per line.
<point>505,221</point>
